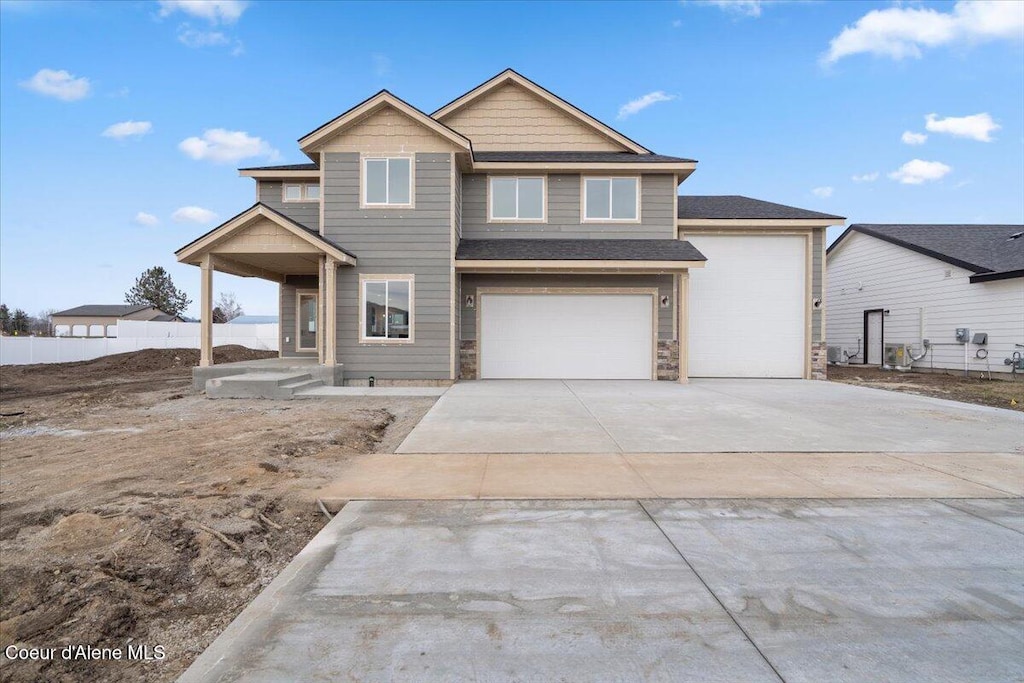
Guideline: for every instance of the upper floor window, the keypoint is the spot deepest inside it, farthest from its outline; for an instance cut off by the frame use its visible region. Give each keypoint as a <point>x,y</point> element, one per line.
<point>519,199</point>
<point>387,181</point>
<point>611,199</point>
<point>301,192</point>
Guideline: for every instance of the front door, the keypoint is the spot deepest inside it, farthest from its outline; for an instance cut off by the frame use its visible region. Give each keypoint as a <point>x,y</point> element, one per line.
<point>306,321</point>
<point>873,336</point>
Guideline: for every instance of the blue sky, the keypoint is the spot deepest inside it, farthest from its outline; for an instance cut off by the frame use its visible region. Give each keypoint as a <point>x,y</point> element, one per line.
<point>803,103</point>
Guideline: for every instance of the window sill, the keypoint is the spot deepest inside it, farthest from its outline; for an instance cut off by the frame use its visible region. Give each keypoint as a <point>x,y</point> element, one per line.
<point>386,342</point>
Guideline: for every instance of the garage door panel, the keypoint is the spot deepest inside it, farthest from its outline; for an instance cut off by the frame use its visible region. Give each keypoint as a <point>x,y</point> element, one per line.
<point>566,336</point>
<point>747,316</point>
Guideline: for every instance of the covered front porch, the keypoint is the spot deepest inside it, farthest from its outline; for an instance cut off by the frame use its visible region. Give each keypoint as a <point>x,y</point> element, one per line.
<point>263,243</point>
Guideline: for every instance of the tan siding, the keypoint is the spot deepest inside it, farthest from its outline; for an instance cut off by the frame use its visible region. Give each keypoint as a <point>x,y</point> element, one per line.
<point>264,235</point>
<point>387,131</point>
<point>510,118</point>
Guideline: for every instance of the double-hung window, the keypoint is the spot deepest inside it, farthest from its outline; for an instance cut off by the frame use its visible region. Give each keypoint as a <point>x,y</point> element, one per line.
<point>301,192</point>
<point>611,199</point>
<point>517,199</point>
<point>387,181</point>
<point>387,308</point>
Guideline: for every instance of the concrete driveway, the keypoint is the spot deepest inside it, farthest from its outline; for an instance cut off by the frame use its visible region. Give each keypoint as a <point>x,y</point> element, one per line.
<point>705,416</point>
<point>633,590</point>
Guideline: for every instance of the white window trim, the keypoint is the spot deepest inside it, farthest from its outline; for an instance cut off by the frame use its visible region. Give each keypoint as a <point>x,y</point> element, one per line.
<point>363,204</point>
<point>299,293</point>
<point>365,278</point>
<point>303,191</point>
<point>583,199</point>
<point>543,201</point>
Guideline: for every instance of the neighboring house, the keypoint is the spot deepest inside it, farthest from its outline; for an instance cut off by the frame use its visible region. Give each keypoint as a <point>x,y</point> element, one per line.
<point>896,285</point>
<point>511,235</point>
<point>100,320</point>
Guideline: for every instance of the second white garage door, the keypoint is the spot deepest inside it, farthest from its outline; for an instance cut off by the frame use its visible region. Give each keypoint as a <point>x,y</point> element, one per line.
<point>566,336</point>
<point>747,306</point>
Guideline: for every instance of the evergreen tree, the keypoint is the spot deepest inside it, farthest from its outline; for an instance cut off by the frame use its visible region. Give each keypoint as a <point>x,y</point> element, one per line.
<point>154,287</point>
<point>19,322</point>
<point>5,319</point>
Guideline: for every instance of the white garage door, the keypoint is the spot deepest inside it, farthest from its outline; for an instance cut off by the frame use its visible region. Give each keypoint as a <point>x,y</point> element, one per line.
<point>566,336</point>
<point>747,306</point>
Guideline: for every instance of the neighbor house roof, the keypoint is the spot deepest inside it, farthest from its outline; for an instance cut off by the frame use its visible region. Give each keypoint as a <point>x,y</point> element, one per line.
<point>579,157</point>
<point>991,252</point>
<point>732,206</point>
<point>284,167</point>
<point>577,250</point>
<point>102,310</point>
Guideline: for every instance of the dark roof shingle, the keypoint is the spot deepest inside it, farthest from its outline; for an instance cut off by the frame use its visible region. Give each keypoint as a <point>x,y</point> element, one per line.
<point>577,250</point>
<point>103,310</point>
<point>733,206</point>
<point>286,167</point>
<point>978,248</point>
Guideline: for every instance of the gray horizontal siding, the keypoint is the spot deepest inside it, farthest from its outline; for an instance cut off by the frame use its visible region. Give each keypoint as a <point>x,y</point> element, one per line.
<point>657,212</point>
<point>414,241</point>
<point>306,213</point>
<point>286,328</point>
<point>470,283</point>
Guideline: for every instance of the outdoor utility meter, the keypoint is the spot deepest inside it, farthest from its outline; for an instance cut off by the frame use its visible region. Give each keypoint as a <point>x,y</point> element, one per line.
<point>963,335</point>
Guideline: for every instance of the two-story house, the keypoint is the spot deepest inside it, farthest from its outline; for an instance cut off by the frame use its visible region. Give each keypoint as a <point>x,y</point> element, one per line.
<point>510,234</point>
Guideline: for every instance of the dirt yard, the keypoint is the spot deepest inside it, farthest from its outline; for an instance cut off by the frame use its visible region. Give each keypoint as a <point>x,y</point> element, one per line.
<point>136,512</point>
<point>985,392</point>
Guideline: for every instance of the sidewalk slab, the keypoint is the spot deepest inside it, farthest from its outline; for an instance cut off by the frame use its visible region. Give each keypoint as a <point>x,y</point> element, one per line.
<point>566,476</point>
<point>720,475</point>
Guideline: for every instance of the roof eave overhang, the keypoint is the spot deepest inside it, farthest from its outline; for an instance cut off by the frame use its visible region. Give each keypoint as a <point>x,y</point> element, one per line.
<point>1002,275</point>
<point>278,175</point>
<point>682,169</point>
<point>573,266</point>
<point>759,222</point>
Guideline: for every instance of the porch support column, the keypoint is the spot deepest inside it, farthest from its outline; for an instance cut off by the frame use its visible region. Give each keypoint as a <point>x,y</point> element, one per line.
<point>683,308</point>
<point>320,307</point>
<point>206,311</point>
<point>330,311</point>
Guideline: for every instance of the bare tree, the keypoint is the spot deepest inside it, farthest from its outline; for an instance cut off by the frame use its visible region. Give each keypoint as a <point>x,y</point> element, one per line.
<point>41,324</point>
<point>229,308</point>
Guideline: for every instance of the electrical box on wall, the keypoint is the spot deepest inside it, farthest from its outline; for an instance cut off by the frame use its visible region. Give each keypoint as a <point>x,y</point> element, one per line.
<point>963,335</point>
<point>980,338</point>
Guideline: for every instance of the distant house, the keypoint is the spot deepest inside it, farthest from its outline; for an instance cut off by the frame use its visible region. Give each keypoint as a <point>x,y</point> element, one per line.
<point>942,297</point>
<point>100,320</point>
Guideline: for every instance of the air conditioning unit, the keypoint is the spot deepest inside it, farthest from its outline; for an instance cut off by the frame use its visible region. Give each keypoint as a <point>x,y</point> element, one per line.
<point>835,355</point>
<point>897,356</point>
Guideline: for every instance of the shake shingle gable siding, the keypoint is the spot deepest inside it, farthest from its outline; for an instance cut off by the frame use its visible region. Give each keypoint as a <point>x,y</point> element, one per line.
<point>577,250</point>
<point>986,250</point>
<point>695,207</point>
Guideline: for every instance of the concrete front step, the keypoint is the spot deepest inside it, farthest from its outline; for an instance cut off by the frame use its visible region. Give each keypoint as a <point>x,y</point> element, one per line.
<point>274,385</point>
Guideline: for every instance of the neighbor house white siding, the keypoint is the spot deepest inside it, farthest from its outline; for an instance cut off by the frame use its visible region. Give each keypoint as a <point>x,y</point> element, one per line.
<point>926,299</point>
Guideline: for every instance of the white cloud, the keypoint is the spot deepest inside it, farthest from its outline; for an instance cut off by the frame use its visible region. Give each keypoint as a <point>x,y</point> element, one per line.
<point>226,146</point>
<point>193,214</point>
<point>641,103</point>
<point>912,138</point>
<point>213,11</point>
<point>916,172</point>
<point>865,178</point>
<point>59,84</point>
<point>677,23</point>
<point>823,192</point>
<point>900,32</point>
<point>191,37</point>
<point>147,219</point>
<point>128,129</point>
<point>743,8</point>
<point>976,127</point>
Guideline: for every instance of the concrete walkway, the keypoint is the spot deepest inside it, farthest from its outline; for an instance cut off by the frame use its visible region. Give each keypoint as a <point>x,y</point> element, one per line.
<point>705,416</point>
<point>679,475</point>
<point>795,591</point>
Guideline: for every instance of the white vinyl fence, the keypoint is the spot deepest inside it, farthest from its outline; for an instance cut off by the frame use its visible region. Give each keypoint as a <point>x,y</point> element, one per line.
<point>132,335</point>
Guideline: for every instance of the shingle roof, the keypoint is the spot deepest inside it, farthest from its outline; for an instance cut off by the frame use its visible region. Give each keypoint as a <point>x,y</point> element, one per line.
<point>577,250</point>
<point>103,310</point>
<point>982,249</point>
<point>739,207</point>
<point>286,167</point>
<point>578,157</point>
